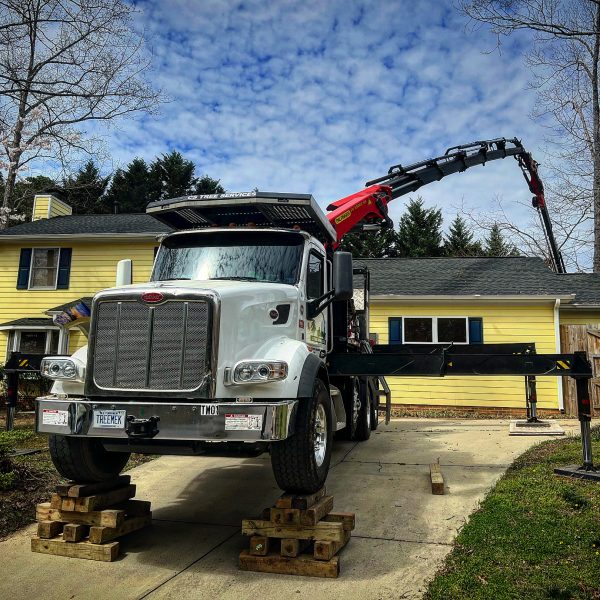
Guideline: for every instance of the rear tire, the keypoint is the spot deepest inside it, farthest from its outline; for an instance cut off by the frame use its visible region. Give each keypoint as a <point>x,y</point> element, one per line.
<point>375,407</point>
<point>84,459</point>
<point>363,425</point>
<point>301,462</point>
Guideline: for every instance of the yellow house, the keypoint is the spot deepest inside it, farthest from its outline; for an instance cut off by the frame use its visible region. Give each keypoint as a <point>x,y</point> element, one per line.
<point>59,260</point>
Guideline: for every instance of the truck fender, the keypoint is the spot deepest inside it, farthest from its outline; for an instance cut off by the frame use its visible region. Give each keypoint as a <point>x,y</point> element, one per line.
<point>312,369</point>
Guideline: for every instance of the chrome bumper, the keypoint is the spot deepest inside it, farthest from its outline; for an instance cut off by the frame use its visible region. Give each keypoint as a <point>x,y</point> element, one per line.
<point>235,422</point>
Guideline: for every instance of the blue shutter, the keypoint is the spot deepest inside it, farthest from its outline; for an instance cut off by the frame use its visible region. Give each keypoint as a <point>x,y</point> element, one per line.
<point>24,266</point>
<point>395,330</point>
<point>64,269</point>
<point>475,330</point>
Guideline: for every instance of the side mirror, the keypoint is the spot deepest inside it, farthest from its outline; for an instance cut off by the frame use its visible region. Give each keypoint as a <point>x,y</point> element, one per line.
<point>343,283</point>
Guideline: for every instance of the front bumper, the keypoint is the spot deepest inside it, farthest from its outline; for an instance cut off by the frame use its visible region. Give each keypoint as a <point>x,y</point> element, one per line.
<point>229,421</point>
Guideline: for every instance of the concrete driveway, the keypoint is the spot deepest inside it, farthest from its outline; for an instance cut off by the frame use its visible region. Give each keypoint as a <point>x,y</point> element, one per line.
<point>402,531</point>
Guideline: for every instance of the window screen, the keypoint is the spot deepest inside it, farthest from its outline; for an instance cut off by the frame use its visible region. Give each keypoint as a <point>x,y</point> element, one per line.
<point>418,330</point>
<point>314,279</point>
<point>44,268</point>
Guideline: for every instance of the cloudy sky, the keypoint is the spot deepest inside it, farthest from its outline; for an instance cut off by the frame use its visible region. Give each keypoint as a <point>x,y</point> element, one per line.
<point>320,96</point>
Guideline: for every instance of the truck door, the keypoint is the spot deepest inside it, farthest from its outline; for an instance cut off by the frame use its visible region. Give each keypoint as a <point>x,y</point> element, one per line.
<point>316,330</point>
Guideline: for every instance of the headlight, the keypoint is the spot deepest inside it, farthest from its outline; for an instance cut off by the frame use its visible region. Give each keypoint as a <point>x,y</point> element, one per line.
<point>257,371</point>
<point>63,368</point>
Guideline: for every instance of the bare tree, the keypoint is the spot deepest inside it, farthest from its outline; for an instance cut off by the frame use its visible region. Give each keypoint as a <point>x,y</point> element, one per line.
<point>64,63</point>
<point>564,59</point>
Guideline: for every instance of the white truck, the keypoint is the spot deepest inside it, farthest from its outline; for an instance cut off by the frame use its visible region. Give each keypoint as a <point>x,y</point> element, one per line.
<point>223,351</point>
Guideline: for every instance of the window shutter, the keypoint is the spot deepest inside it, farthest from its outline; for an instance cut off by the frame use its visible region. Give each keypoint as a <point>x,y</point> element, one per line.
<point>395,330</point>
<point>24,266</point>
<point>64,269</point>
<point>475,330</point>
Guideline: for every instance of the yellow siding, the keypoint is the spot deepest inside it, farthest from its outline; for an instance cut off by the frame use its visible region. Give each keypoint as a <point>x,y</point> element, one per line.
<point>580,317</point>
<point>46,207</point>
<point>77,339</point>
<point>501,324</point>
<point>93,268</point>
<point>40,207</point>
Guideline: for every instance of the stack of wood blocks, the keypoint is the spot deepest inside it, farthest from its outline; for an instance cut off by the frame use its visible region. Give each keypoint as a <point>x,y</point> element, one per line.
<point>300,535</point>
<point>83,520</point>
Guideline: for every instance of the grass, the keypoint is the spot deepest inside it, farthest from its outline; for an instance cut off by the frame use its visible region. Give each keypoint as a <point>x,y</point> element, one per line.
<point>29,479</point>
<point>535,536</point>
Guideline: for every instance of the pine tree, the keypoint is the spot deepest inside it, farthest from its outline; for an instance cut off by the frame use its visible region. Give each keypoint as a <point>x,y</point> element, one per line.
<point>208,185</point>
<point>495,245</point>
<point>129,190</point>
<point>420,231</point>
<point>25,191</point>
<point>171,176</point>
<point>371,244</point>
<point>459,241</point>
<point>84,191</point>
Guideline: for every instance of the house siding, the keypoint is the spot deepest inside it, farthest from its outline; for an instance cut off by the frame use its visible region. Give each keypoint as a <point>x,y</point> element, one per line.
<point>502,323</point>
<point>93,268</point>
<point>581,317</point>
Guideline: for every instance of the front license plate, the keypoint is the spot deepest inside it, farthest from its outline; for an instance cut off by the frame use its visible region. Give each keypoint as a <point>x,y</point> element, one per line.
<point>109,419</point>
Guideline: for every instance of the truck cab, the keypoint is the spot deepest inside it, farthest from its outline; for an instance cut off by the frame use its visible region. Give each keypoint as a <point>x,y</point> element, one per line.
<point>223,351</point>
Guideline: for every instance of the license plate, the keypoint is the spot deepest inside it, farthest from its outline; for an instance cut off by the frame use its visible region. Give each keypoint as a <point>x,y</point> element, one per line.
<point>109,419</point>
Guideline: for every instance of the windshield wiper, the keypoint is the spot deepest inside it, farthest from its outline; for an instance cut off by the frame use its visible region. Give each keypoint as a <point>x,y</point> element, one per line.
<point>175,279</point>
<point>236,278</point>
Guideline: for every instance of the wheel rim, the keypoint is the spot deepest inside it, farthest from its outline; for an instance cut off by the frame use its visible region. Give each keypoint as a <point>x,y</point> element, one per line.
<point>320,438</point>
<point>368,409</point>
<point>356,407</point>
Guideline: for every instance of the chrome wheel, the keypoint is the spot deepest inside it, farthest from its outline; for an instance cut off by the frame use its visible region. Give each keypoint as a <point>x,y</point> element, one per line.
<point>368,409</point>
<point>356,401</point>
<point>320,436</point>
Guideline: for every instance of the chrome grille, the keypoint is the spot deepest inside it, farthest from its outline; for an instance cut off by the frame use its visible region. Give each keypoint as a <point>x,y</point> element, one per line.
<point>162,347</point>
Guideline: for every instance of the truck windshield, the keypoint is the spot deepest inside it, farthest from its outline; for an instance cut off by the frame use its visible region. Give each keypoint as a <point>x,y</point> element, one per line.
<point>248,256</point>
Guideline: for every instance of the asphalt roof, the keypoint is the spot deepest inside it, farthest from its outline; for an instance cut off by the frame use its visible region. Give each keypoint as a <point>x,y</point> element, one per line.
<point>486,276</point>
<point>87,300</point>
<point>29,322</point>
<point>89,224</point>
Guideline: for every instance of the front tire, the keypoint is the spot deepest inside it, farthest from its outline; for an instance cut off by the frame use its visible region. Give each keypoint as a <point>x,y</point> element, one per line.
<point>301,462</point>
<point>84,459</point>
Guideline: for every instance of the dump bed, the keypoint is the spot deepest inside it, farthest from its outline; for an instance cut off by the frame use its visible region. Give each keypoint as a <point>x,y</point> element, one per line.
<point>263,209</point>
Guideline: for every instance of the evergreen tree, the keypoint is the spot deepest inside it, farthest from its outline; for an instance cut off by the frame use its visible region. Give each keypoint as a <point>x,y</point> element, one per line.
<point>495,245</point>
<point>420,231</point>
<point>371,244</point>
<point>25,190</point>
<point>172,176</point>
<point>129,190</point>
<point>460,241</point>
<point>208,185</point>
<point>84,191</point>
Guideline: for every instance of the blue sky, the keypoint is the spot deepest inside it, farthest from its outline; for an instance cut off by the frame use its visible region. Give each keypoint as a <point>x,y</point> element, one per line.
<point>318,97</point>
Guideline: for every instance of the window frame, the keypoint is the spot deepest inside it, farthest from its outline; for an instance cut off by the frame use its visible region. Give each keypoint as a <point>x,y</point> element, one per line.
<point>14,338</point>
<point>434,328</point>
<point>31,267</point>
<point>321,257</point>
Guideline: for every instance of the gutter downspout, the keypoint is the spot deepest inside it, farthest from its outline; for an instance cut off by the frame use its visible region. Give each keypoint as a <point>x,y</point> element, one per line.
<point>561,401</point>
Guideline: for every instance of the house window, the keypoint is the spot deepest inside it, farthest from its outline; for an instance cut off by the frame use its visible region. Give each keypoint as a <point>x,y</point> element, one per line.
<point>314,278</point>
<point>435,330</point>
<point>44,269</point>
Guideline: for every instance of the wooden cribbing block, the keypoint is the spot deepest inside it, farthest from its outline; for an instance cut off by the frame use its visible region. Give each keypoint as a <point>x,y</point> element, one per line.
<point>99,501</point>
<point>347,519</point>
<point>312,515</point>
<point>292,546</point>
<point>301,502</point>
<point>302,565</point>
<point>135,508</point>
<point>58,547</point>
<point>49,529</point>
<point>100,535</point>
<point>75,490</point>
<point>103,518</point>
<point>74,532</point>
<point>320,531</point>
<point>327,550</point>
<point>437,479</point>
<point>259,545</point>
<point>285,516</point>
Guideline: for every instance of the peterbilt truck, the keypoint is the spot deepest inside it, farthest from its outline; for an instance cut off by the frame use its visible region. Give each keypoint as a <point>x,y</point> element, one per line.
<point>248,339</point>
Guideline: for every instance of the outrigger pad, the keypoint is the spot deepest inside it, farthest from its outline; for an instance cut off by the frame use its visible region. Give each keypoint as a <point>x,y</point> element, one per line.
<point>263,209</point>
<point>576,472</point>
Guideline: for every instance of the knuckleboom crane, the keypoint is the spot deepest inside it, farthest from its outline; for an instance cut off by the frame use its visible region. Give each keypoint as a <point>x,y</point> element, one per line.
<point>368,207</point>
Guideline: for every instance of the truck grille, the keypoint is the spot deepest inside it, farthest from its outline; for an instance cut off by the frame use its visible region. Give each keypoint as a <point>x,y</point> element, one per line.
<point>164,347</point>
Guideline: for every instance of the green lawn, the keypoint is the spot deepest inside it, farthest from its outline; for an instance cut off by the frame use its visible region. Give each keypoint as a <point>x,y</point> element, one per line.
<point>536,535</point>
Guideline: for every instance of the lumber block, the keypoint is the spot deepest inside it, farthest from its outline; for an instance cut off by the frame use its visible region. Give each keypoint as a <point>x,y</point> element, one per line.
<point>99,501</point>
<point>292,547</point>
<point>135,508</point>
<point>102,518</point>
<point>302,565</point>
<point>75,490</point>
<point>285,516</point>
<point>55,501</point>
<point>101,535</point>
<point>302,502</point>
<point>74,532</point>
<point>67,504</point>
<point>259,545</point>
<point>49,529</point>
<point>326,550</point>
<point>347,519</point>
<point>58,547</point>
<point>312,515</point>
<point>321,531</point>
<point>437,479</point>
